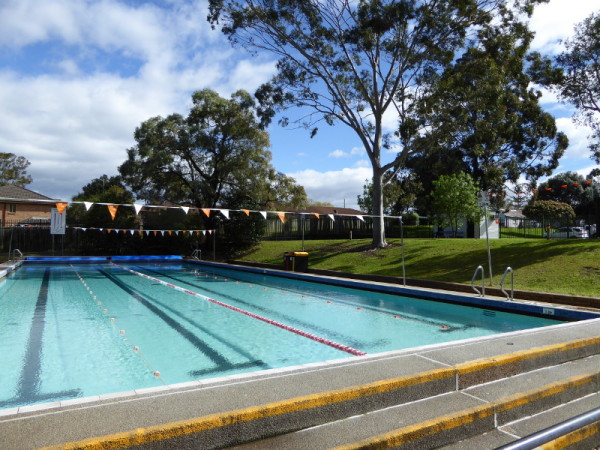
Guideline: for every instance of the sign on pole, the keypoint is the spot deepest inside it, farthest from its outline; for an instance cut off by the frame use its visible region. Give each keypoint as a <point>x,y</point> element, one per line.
<point>58,221</point>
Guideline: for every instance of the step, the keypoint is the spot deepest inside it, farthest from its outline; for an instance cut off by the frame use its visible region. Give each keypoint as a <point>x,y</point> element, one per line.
<point>529,425</point>
<point>443,419</point>
<point>260,406</point>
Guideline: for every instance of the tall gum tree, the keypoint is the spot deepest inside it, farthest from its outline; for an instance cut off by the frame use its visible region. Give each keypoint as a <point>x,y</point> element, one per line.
<point>353,62</point>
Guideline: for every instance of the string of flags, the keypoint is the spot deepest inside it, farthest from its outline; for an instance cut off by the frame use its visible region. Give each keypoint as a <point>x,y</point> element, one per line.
<point>114,207</point>
<point>565,186</point>
<point>134,231</point>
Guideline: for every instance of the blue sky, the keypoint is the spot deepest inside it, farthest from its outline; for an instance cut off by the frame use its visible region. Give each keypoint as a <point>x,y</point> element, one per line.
<point>78,76</point>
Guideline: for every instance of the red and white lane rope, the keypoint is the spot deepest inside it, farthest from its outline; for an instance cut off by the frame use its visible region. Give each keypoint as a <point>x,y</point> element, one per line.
<point>297,331</point>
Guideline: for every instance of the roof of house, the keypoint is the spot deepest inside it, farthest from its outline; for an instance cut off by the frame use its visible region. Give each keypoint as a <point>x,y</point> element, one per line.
<point>12,192</point>
<point>323,210</point>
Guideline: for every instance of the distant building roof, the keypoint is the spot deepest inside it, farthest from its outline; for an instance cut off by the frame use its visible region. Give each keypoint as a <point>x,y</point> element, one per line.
<point>12,192</point>
<point>332,210</point>
<point>516,213</point>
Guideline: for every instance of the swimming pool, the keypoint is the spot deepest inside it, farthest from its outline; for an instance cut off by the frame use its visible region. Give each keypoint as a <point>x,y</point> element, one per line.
<point>75,330</point>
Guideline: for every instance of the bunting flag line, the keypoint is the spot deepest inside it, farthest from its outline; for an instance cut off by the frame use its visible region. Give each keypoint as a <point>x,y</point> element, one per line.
<point>60,206</point>
<point>246,211</point>
<point>112,209</point>
<point>206,211</point>
<point>263,213</point>
<point>88,205</point>
<point>281,216</point>
<point>225,212</point>
<point>185,209</point>
<point>137,208</point>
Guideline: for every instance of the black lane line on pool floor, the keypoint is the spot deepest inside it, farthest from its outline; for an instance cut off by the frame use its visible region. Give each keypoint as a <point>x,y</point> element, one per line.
<point>348,340</point>
<point>29,382</point>
<point>219,360</point>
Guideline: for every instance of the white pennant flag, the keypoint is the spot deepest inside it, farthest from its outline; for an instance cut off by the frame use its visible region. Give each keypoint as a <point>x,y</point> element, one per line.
<point>84,229</point>
<point>137,208</point>
<point>331,217</point>
<point>177,232</point>
<point>225,212</point>
<point>147,232</point>
<point>264,214</point>
<point>185,209</point>
<point>162,232</point>
<point>88,205</point>
<point>203,233</point>
<point>360,218</point>
<point>131,232</point>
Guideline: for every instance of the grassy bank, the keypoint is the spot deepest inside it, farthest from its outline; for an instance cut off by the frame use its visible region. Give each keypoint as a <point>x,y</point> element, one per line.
<point>564,266</point>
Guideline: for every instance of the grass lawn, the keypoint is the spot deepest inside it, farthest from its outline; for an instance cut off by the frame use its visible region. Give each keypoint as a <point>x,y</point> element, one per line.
<point>564,266</point>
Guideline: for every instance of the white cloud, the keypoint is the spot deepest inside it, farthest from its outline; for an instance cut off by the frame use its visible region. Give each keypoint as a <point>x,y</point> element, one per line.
<point>338,154</point>
<point>338,187</point>
<point>554,21</point>
<point>74,123</point>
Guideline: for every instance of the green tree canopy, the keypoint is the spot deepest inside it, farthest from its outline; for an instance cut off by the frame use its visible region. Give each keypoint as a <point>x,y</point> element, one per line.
<point>356,62</point>
<point>575,190</point>
<point>580,81</point>
<point>454,200</point>
<point>549,210</point>
<point>485,119</point>
<point>215,157</point>
<point>13,169</point>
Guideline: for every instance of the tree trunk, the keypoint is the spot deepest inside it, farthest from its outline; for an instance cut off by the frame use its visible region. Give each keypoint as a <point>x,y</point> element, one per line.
<point>378,222</point>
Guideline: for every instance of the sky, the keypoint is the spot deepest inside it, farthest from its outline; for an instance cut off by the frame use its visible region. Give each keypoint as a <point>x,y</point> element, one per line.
<point>78,76</point>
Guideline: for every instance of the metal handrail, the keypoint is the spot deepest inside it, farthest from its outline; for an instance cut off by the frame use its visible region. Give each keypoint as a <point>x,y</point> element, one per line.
<point>482,293</point>
<point>512,284</point>
<point>197,254</point>
<point>554,432</point>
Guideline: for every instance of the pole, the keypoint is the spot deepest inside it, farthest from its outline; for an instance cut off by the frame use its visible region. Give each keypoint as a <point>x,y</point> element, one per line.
<point>303,221</point>
<point>402,247</point>
<point>484,200</point>
<point>214,244</point>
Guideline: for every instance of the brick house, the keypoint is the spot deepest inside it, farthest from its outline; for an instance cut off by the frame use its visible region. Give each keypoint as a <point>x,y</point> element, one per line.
<point>20,205</point>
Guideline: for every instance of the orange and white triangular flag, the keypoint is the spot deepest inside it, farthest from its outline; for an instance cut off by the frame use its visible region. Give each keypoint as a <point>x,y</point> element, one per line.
<point>317,215</point>
<point>281,216</point>
<point>112,209</point>
<point>246,211</point>
<point>60,206</point>
<point>206,211</point>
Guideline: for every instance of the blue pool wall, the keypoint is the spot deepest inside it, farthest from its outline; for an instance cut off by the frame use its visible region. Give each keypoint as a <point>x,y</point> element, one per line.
<point>551,312</point>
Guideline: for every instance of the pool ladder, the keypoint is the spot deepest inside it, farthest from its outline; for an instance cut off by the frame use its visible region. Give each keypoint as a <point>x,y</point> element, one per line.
<point>506,272</point>
<point>17,255</point>
<point>197,254</point>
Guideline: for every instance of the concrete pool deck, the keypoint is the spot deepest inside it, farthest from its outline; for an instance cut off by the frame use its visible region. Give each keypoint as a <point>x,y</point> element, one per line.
<point>238,409</point>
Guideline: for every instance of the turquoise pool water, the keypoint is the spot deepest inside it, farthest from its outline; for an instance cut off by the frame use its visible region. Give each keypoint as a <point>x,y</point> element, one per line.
<point>70,331</point>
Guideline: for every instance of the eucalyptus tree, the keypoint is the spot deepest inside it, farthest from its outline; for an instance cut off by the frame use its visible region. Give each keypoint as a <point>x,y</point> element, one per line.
<point>217,156</point>
<point>356,63</point>
<point>579,83</point>
<point>486,119</point>
<point>13,169</point>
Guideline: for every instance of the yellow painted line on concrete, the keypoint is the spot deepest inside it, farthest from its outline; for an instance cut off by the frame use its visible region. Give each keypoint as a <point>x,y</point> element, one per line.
<point>212,421</point>
<point>523,355</point>
<point>548,390</point>
<point>421,430</point>
<point>573,437</point>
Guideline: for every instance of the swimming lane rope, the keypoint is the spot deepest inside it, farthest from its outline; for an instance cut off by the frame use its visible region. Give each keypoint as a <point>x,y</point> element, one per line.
<point>297,331</point>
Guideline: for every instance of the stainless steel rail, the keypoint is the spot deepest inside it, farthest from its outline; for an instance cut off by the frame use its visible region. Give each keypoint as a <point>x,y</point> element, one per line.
<point>482,292</point>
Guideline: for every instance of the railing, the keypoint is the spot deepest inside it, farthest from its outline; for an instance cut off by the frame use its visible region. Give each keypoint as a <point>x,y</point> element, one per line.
<point>197,254</point>
<point>14,255</point>
<point>512,284</point>
<point>549,434</point>
<point>482,293</point>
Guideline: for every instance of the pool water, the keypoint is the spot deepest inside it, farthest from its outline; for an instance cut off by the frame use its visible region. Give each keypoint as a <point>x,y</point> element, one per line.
<point>71,331</point>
